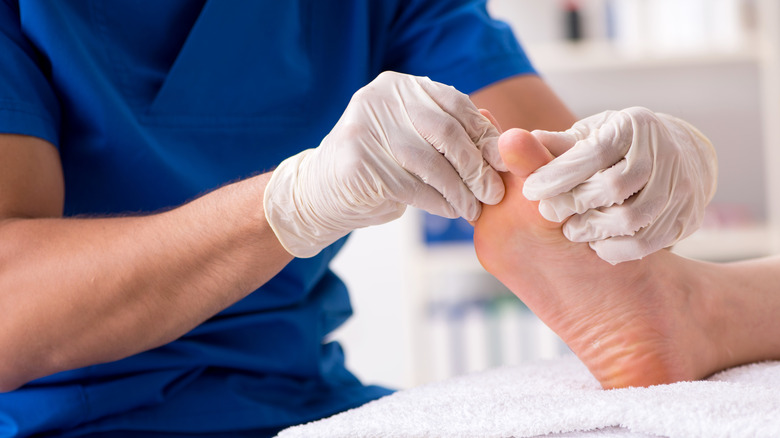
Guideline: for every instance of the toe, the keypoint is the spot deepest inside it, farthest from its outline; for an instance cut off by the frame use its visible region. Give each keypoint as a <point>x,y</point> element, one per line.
<point>522,152</point>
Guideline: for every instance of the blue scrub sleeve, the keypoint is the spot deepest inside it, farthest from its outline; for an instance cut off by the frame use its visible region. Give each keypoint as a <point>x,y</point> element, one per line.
<point>28,105</point>
<point>455,42</point>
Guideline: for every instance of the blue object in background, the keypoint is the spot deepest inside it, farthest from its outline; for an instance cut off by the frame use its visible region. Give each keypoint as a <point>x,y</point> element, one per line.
<point>440,230</point>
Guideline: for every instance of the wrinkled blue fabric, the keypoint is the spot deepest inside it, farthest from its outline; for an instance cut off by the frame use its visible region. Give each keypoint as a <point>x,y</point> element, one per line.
<point>152,103</point>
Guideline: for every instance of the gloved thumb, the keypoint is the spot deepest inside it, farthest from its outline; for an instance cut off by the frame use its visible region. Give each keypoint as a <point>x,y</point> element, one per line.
<point>489,146</point>
<point>557,142</point>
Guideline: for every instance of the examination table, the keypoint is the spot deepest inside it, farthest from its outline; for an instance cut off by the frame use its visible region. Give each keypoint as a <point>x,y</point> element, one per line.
<point>560,398</point>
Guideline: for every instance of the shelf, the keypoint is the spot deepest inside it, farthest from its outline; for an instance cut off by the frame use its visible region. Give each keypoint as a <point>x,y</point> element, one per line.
<point>717,245</point>
<point>726,244</point>
<point>594,55</point>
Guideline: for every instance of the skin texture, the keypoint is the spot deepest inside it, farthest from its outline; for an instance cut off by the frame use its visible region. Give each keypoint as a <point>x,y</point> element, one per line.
<point>658,320</point>
<point>143,280</point>
<point>146,280</point>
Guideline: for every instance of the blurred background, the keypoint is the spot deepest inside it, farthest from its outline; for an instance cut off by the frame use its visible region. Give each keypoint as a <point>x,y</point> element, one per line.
<point>425,309</point>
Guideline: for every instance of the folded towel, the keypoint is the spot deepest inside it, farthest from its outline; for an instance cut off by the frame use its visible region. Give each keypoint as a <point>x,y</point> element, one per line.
<point>561,397</point>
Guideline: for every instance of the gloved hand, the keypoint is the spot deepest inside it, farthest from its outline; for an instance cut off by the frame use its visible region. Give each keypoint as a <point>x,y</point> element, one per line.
<point>403,140</point>
<point>631,182</point>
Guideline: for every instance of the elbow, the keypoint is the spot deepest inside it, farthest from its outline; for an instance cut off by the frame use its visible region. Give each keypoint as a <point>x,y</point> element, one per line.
<point>15,374</point>
<point>8,387</point>
<point>10,381</point>
<point>15,371</point>
<point>12,374</point>
<point>19,365</point>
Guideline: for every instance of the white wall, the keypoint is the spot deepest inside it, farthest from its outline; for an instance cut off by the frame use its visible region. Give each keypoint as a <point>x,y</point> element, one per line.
<point>722,100</point>
<point>376,338</point>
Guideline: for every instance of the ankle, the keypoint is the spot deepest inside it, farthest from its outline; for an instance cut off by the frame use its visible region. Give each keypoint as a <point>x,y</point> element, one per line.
<point>712,343</point>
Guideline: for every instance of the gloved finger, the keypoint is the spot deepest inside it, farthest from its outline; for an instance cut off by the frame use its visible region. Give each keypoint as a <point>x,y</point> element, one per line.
<point>604,147</point>
<point>429,199</point>
<point>438,182</point>
<point>677,222</point>
<point>481,131</point>
<point>489,145</point>
<point>618,220</point>
<point>623,248</point>
<point>447,136</point>
<point>556,142</point>
<point>604,189</point>
<point>488,115</point>
<point>644,242</point>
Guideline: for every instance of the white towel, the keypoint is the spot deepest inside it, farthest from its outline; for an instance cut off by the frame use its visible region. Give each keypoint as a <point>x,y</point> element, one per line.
<point>561,397</point>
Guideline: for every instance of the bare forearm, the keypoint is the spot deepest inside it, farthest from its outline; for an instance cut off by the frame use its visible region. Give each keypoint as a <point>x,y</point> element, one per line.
<point>82,291</point>
<point>524,101</point>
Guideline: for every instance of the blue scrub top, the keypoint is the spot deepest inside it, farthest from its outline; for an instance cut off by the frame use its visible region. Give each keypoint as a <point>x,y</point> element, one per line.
<point>152,103</point>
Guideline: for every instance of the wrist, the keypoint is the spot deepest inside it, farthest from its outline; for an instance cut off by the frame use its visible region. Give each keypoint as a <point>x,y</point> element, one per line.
<point>280,206</point>
<point>299,219</point>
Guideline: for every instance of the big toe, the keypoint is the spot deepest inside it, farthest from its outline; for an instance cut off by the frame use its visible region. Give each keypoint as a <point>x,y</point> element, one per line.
<point>522,152</point>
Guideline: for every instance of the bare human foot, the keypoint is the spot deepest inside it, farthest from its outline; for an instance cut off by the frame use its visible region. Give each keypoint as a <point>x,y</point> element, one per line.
<point>633,324</point>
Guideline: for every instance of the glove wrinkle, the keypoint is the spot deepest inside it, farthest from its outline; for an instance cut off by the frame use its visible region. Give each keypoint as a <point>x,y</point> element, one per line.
<point>402,140</point>
<point>633,182</point>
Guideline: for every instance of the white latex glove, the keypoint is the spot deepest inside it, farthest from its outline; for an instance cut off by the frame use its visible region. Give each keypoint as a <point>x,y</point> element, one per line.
<point>403,140</point>
<point>631,182</point>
